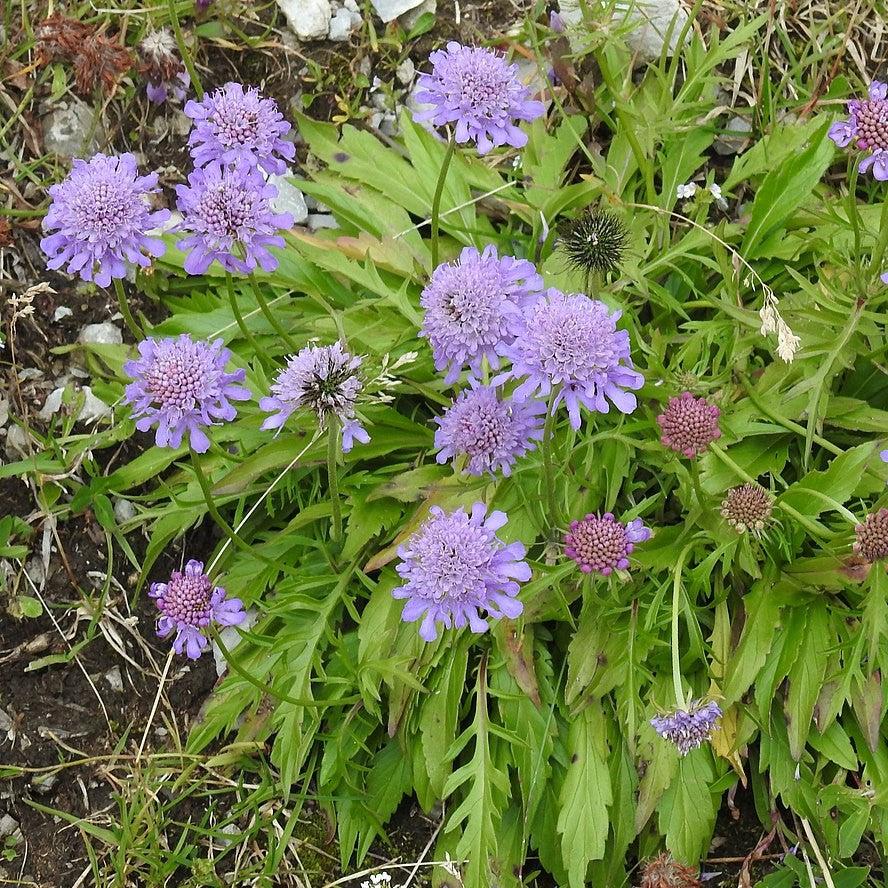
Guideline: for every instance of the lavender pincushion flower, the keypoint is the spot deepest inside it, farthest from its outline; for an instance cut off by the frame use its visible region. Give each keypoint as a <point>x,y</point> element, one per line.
<point>473,308</point>
<point>456,565</point>
<point>688,728</point>
<point>571,343</point>
<point>603,544</point>
<point>867,127</point>
<point>480,92</point>
<point>234,125</point>
<point>491,432</point>
<point>188,603</point>
<point>101,217</point>
<point>228,218</point>
<point>181,386</point>
<point>326,380</point>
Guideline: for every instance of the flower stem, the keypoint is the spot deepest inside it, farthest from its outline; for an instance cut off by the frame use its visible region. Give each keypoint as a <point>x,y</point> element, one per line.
<point>436,200</point>
<point>269,316</point>
<point>333,477</point>
<point>695,480</point>
<point>183,50</point>
<point>548,467</point>
<point>676,607</point>
<point>242,326</point>
<point>211,506</point>
<point>131,322</point>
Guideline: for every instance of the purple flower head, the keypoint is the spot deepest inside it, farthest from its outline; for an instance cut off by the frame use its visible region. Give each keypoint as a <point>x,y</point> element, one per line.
<point>480,92</point>
<point>688,728</point>
<point>233,125</point>
<point>159,91</point>
<point>181,386</point>
<point>491,432</point>
<point>454,565</point>
<point>603,544</point>
<point>473,308</point>
<point>689,425</point>
<point>571,342</point>
<point>228,218</point>
<point>324,378</point>
<point>188,604</point>
<point>101,215</point>
<point>867,128</point>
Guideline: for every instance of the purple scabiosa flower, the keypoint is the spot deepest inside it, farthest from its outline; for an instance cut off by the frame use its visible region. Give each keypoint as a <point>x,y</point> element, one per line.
<point>491,432</point>
<point>101,217</point>
<point>188,603</point>
<point>571,343</point>
<point>227,217</point>
<point>454,565</point>
<point>871,537</point>
<point>688,728</point>
<point>233,124</point>
<point>603,544</point>
<point>473,308</point>
<point>867,127</point>
<point>689,425</point>
<point>480,92</point>
<point>325,379</point>
<point>181,386</point>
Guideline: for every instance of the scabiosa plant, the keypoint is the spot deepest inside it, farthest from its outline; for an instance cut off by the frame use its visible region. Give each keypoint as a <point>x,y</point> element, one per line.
<point>603,544</point>
<point>570,343</point>
<point>456,565</point>
<point>479,92</point>
<point>871,537</point>
<point>490,431</point>
<point>227,217</point>
<point>689,425</point>
<point>180,385</point>
<point>594,242</point>
<point>867,127</point>
<point>473,308</point>
<point>748,508</point>
<point>325,379</point>
<point>688,728</point>
<point>162,68</point>
<point>99,219</point>
<point>234,124</point>
<point>189,603</point>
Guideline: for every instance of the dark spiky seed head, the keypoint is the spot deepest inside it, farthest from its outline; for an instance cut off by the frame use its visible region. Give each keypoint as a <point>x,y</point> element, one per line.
<point>596,241</point>
<point>747,508</point>
<point>664,871</point>
<point>872,536</point>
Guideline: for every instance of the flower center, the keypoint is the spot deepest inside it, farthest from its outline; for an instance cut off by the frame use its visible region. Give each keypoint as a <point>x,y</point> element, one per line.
<point>105,209</point>
<point>454,559</point>
<point>482,83</point>
<point>177,379</point>
<point>597,542</point>
<point>187,599</point>
<point>482,431</point>
<point>226,210</point>
<point>236,125</point>
<point>872,124</point>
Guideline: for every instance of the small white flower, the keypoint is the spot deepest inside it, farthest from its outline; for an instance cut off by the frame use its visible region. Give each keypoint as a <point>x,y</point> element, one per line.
<point>715,191</point>
<point>787,342</point>
<point>686,191</point>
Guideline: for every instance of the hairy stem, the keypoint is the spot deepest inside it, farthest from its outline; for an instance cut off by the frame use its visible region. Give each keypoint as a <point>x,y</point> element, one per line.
<point>333,478</point>
<point>131,322</point>
<point>269,316</point>
<point>676,608</point>
<point>436,200</point>
<point>548,466</point>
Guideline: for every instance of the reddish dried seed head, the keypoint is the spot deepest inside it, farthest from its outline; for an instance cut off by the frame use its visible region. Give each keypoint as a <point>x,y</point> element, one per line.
<point>689,425</point>
<point>603,544</point>
<point>872,536</point>
<point>747,508</point>
<point>666,872</point>
<point>872,124</point>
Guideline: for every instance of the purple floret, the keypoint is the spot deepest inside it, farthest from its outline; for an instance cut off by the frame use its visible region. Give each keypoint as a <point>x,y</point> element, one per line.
<point>158,91</point>
<point>603,544</point>
<point>228,218</point>
<point>473,308</point>
<point>189,603</point>
<point>571,344</point>
<point>479,92</point>
<point>867,128</point>
<point>325,379</point>
<point>456,565</point>
<point>490,432</point>
<point>101,217</point>
<point>688,728</point>
<point>181,386</point>
<point>233,125</point>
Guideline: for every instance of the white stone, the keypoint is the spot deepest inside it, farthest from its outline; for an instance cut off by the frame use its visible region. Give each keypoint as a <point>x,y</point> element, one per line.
<point>733,139</point>
<point>340,26</point>
<point>410,18</point>
<point>101,334</point>
<point>4,411</point>
<point>389,10</point>
<point>114,679</point>
<point>69,130</point>
<point>289,199</point>
<point>93,408</point>
<point>16,442</point>
<point>405,72</point>
<point>52,404</point>
<point>317,221</point>
<point>310,19</point>
<point>62,312</point>
<point>124,511</point>
<point>653,20</point>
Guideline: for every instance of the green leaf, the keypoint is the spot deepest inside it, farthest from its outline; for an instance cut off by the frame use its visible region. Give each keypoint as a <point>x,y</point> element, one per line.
<point>812,494</point>
<point>30,607</point>
<point>688,808</point>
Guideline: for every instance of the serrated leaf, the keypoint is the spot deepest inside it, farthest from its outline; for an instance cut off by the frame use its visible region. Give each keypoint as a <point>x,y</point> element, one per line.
<point>689,807</point>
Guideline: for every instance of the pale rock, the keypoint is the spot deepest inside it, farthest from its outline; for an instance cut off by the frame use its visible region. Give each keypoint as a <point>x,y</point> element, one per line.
<point>124,511</point>
<point>4,411</point>
<point>389,10</point>
<point>653,20</point>
<point>340,26</point>
<point>310,19</point>
<point>9,826</point>
<point>735,137</point>
<point>289,199</point>
<point>114,679</point>
<point>100,334</point>
<point>410,18</point>
<point>93,408</point>
<point>405,72</point>
<point>61,313</point>
<point>52,404</point>
<point>68,130</point>
<point>316,221</point>
<point>16,442</point>
<point>231,638</point>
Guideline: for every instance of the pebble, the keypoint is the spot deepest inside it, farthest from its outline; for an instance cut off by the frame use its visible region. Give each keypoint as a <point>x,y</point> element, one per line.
<point>124,511</point>
<point>340,25</point>
<point>653,20</point>
<point>9,826</point>
<point>62,312</point>
<point>101,334</point>
<point>310,19</point>
<point>92,409</point>
<point>114,679</point>
<point>289,199</point>
<point>316,221</point>
<point>732,140</point>
<point>411,17</point>
<point>68,130</point>
<point>43,783</point>
<point>405,72</point>
<point>389,10</point>
<point>16,442</point>
<point>4,411</point>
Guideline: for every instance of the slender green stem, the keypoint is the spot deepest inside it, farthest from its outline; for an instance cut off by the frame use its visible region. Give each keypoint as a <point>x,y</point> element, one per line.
<point>183,50</point>
<point>548,466</point>
<point>269,316</point>
<point>241,323</point>
<point>676,608</point>
<point>695,480</point>
<point>882,242</point>
<point>333,431</point>
<point>436,200</point>
<point>131,322</point>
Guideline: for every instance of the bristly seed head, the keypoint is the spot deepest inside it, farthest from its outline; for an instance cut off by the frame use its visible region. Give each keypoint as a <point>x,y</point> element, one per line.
<point>689,425</point>
<point>664,871</point>
<point>748,508</point>
<point>871,540</point>
<point>595,242</point>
